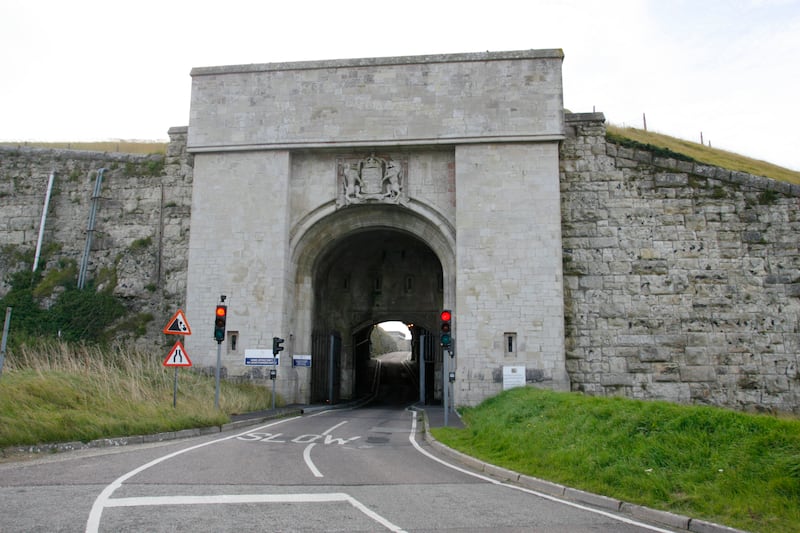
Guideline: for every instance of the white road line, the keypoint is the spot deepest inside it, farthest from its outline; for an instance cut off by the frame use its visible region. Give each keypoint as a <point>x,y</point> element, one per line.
<point>334,427</point>
<point>332,497</point>
<point>523,489</point>
<point>307,452</point>
<point>93,523</point>
<point>309,463</point>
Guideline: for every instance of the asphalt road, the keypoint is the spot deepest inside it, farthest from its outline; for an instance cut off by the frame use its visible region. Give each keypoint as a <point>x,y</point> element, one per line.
<point>355,470</point>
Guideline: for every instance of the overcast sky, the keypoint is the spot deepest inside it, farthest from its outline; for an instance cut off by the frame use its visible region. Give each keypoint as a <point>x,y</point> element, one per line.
<point>93,70</point>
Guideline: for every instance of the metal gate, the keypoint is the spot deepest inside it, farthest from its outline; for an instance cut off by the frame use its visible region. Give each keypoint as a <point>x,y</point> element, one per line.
<point>429,347</point>
<point>326,355</point>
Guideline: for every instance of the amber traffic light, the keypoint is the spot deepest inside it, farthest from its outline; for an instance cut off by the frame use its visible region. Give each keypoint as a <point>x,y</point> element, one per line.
<point>220,317</point>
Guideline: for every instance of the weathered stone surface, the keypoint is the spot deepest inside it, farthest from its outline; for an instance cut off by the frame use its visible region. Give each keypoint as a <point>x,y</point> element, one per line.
<point>142,222</point>
<point>680,281</point>
<point>709,296</point>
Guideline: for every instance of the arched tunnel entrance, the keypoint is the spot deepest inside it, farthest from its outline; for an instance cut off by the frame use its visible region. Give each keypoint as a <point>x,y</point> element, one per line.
<point>369,277</point>
<point>394,369</point>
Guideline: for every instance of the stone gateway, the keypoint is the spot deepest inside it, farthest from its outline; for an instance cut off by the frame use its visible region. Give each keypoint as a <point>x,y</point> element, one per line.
<point>330,196</point>
<point>322,198</point>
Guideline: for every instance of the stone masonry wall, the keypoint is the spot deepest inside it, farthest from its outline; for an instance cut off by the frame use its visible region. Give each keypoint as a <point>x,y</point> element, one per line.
<point>682,281</point>
<point>142,221</point>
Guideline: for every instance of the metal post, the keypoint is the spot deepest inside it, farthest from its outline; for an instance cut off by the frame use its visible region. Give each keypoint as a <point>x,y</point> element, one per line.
<point>273,390</point>
<point>90,229</point>
<point>216,375</point>
<point>422,339</point>
<point>43,220</point>
<point>331,368</point>
<point>6,325</point>
<point>446,384</point>
<point>175,390</point>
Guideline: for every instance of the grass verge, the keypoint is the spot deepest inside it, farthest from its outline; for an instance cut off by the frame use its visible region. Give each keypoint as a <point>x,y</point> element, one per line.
<point>125,147</point>
<point>56,392</point>
<point>738,469</point>
<point>657,142</point>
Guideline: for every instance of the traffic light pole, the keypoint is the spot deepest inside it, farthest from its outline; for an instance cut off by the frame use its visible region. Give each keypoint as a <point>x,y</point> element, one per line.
<point>272,375</point>
<point>220,318</point>
<point>446,384</point>
<point>216,374</point>
<point>277,348</point>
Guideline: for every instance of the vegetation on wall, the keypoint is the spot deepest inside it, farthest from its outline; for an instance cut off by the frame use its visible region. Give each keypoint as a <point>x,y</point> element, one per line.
<point>621,139</point>
<point>48,303</point>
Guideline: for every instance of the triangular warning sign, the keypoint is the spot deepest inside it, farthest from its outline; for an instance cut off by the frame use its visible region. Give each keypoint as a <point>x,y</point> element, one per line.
<point>178,325</point>
<point>178,356</point>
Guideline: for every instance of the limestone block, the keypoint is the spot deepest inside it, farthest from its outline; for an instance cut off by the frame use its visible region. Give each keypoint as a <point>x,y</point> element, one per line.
<point>698,374</point>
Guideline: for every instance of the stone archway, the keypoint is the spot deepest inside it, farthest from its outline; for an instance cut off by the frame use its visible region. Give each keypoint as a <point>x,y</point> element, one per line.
<point>363,265</point>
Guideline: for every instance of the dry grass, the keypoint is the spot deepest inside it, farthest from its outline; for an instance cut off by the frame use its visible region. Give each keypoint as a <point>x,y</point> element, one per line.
<point>707,155</point>
<point>57,392</point>
<point>125,147</point>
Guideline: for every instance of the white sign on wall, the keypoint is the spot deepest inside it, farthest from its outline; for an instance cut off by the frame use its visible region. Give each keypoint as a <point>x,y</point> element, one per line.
<point>513,376</point>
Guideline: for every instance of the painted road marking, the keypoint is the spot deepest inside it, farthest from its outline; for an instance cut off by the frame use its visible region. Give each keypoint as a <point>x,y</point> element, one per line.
<point>302,439</point>
<point>307,438</point>
<point>310,439</point>
<point>104,499</point>
<point>328,439</point>
<point>332,497</point>
<point>93,523</point>
<point>309,463</point>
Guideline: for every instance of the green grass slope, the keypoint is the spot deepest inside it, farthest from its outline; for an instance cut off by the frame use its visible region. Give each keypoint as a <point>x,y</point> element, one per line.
<point>738,469</point>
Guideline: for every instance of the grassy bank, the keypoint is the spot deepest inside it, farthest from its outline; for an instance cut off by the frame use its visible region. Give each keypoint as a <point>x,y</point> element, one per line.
<point>622,135</point>
<point>56,392</point>
<point>700,153</point>
<point>121,146</point>
<point>738,469</point>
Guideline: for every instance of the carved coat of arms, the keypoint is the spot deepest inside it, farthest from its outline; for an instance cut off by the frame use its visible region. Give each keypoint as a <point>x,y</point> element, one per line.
<point>372,179</point>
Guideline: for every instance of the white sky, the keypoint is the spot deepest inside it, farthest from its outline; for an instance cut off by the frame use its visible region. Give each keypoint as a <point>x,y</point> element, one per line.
<point>83,70</point>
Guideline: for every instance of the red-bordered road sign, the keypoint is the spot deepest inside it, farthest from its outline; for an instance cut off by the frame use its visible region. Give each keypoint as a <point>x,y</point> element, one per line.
<point>178,325</point>
<point>178,356</point>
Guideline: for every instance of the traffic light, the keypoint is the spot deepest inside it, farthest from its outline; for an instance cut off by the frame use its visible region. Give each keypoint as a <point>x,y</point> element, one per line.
<point>276,345</point>
<point>445,330</point>
<point>220,316</point>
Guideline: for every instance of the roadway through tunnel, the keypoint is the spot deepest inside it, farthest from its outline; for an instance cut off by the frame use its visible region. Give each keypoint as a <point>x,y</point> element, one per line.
<point>398,380</point>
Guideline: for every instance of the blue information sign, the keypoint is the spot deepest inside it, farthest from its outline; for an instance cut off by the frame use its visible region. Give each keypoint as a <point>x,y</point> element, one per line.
<point>260,361</point>
<point>301,360</point>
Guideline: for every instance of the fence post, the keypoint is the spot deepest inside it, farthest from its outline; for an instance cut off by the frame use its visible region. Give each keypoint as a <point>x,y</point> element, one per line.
<point>5,339</point>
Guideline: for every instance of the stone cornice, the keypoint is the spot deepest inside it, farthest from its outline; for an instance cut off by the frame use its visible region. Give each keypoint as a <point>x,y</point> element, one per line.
<point>555,53</point>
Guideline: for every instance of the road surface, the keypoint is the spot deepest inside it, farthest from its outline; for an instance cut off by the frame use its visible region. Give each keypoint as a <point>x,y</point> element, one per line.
<point>356,470</point>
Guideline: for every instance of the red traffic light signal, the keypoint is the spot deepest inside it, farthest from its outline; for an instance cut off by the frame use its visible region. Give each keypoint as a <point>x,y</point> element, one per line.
<point>445,329</point>
<point>220,317</point>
